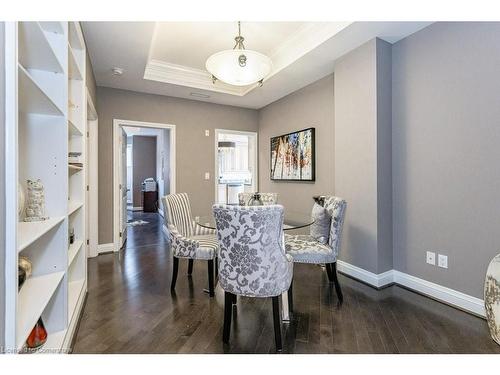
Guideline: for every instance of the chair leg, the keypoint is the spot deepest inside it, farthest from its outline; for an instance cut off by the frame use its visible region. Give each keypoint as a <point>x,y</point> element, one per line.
<point>211,278</point>
<point>216,267</point>
<point>235,299</point>
<point>329,272</point>
<point>334,278</point>
<point>175,269</point>
<point>228,303</point>
<point>277,323</point>
<point>190,267</point>
<point>290,298</point>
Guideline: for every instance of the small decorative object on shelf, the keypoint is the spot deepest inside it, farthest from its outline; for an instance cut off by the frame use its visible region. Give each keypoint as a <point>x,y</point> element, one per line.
<point>21,277</point>
<point>492,298</point>
<point>26,265</point>
<point>35,210</point>
<point>71,236</point>
<point>20,200</point>
<point>255,200</point>
<point>38,336</point>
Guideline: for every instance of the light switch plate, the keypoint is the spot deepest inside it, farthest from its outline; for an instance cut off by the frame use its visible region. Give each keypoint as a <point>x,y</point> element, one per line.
<point>442,261</point>
<point>431,258</point>
<point>207,176</point>
<point>207,133</point>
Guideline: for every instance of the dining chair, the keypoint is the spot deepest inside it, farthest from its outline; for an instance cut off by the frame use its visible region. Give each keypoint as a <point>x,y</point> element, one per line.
<point>266,198</point>
<point>188,240</point>
<point>322,245</point>
<point>252,260</point>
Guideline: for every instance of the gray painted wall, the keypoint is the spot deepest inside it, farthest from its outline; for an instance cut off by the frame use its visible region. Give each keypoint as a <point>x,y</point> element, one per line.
<point>2,184</point>
<point>446,137</point>
<point>311,106</point>
<point>384,156</point>
<point>144,164</point>
<point>194,154</point>
<point>362,144</point>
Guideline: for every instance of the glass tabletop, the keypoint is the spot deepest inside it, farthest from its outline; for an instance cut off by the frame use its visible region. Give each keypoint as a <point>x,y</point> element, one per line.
<point>292,220</point>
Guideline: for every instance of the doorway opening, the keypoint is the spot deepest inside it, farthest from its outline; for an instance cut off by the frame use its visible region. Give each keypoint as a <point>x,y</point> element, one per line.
<point>143,171</point>
<point>236,166</point>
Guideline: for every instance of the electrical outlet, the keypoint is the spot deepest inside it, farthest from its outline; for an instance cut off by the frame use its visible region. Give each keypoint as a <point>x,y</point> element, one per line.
<point>207,133</point>
<point>207,176</point>
<point>431,258</point>
<point>442,261</point>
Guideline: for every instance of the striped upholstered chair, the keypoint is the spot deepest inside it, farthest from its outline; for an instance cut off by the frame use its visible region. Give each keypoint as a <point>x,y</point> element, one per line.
<point>266,198</point>
<point>322,245</point>
<point>188,240</point>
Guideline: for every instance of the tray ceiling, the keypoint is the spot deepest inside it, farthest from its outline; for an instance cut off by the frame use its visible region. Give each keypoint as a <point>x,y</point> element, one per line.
<point>168,58</point>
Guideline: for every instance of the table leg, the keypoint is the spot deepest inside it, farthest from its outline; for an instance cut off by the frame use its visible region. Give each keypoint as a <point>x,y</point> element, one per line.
<point>285,313</point>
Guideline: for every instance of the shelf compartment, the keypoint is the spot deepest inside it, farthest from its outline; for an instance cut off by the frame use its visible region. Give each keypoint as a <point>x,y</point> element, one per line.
<point>74,290</point>
<point>35,51</point>
<point>73,130</point>
<point>33,98</point>
<point>74,71</point>
<point>33,297</point>
<point>74,248</point>
<point>52,26</point>
<point>75,36</point>
<point>54,343</point>
<point>74,169</point>
<point>29,232</point>
<point>73,206</point>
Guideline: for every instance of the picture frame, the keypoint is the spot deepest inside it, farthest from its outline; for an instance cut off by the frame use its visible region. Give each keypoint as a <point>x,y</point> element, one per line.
<point>293,156</point>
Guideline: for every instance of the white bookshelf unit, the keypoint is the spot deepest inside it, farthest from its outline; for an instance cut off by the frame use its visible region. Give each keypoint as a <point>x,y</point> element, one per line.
<point>46,109</point>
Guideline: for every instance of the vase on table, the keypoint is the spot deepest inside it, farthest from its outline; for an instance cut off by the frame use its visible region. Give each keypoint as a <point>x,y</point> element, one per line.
<point>492,298</point>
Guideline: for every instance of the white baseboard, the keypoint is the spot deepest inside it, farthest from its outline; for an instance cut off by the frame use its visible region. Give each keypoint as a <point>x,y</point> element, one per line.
<point>441,293</point>
<point>135,208</point>
<point>105,248</point>
<point>450,296</point>
<point>376,280</point>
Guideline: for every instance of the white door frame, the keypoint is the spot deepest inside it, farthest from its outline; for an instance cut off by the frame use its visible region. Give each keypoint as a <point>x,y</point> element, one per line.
<point>117,123</point>
<point>92,206</point>
<point>216,147</point>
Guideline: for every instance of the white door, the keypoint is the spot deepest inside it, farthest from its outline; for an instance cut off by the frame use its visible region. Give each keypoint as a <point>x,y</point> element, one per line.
<point>123,187</point>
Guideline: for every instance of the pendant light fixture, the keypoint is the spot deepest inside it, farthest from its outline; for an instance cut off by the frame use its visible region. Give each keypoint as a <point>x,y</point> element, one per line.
<point>239,66</point>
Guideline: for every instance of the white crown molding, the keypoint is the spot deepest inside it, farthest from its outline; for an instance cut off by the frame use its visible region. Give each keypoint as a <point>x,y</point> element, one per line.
<point>441,293</point>
<point>293,48</point>
<point>161,71</point>
<point>303,41</point>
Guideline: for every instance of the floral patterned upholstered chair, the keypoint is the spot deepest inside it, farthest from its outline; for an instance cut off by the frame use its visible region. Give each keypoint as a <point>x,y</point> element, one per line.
<point>308,249</point>
<point>266,198</point>
<point>188,240</point>
<point>252,261</point>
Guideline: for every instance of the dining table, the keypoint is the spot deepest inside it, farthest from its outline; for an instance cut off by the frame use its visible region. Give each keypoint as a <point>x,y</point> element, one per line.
<point>292,221</point>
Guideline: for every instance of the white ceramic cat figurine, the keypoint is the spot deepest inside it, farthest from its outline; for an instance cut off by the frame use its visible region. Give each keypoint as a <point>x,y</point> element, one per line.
<point>35,207</point>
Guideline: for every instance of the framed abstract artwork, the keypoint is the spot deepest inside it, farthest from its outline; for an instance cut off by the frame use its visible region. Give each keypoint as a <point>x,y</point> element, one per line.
<point>292,156</point>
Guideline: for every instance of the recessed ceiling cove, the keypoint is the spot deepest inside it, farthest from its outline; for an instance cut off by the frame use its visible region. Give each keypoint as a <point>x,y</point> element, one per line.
<point>179,50</point>
<point>168,58</point>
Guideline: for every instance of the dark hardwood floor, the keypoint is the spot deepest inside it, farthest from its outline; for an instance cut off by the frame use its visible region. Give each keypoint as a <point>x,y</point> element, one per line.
<point>130,309</point>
